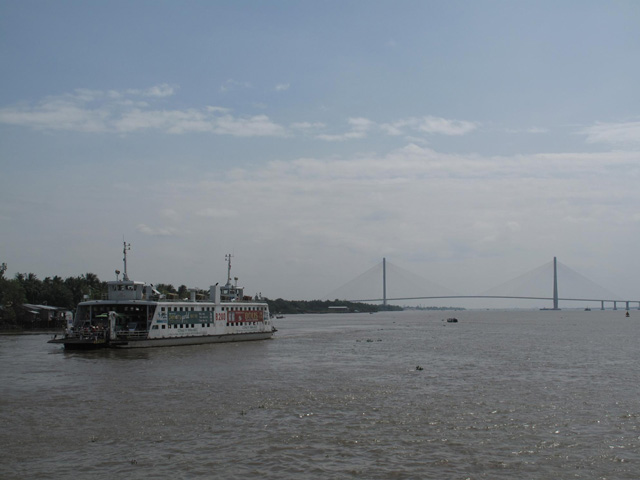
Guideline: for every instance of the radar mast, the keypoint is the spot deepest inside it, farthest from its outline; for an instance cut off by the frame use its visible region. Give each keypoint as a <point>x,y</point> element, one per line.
<point>127,246</point>
<point>227,257</point>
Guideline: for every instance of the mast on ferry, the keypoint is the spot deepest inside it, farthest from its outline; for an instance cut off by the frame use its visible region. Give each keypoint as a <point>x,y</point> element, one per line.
<point>127,246</point>
<point>227,257</point>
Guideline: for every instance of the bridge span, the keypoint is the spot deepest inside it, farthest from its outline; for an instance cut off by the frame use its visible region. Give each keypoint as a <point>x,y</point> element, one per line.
<point>602,302</point>
<point>555,298</point>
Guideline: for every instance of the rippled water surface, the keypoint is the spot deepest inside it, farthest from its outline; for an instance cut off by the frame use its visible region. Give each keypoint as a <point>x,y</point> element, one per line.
<point>521,394</point>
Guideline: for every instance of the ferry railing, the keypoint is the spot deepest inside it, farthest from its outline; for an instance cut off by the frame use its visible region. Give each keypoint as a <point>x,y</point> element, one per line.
<point>85,334</point>
<point>132,335</point>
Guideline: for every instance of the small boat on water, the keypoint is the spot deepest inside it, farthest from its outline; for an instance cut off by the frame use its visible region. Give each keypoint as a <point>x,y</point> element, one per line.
<point>452,320</point>
<point>136,315</point>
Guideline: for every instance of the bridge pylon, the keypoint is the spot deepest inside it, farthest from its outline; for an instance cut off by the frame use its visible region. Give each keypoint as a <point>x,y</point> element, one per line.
<point>555,284</point>
<point>384,281</point>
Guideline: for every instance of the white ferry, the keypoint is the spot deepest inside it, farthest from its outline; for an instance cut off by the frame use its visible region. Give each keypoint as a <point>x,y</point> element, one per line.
<point>136,315</point>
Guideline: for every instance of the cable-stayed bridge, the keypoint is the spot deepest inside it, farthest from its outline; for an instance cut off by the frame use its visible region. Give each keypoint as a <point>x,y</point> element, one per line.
<point>553,281</point>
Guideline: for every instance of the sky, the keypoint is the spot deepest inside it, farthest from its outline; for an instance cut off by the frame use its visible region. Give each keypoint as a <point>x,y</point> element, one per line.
<point>466,142</point>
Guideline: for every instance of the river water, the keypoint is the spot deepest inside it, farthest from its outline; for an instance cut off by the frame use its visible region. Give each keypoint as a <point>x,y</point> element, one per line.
<point>498,395</point>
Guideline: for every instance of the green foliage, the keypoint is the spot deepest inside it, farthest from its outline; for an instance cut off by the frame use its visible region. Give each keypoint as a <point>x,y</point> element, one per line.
<point>58,292</point>
<point>183,292</point>
<point>280,306</point>
<point>166,289</point>
<point>11,296</point>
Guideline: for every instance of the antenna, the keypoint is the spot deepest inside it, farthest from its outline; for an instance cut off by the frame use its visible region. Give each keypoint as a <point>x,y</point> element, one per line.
<point>127,246</point>
<point>228,257</point>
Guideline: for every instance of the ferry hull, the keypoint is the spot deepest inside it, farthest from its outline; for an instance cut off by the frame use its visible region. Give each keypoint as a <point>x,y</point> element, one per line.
<point>85,344</point>
<point>80,343</point>
<point>195,340</point>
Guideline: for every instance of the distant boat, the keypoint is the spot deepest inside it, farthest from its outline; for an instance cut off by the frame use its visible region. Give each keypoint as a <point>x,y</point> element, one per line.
<point>587,309</point>
<point>452,320</point>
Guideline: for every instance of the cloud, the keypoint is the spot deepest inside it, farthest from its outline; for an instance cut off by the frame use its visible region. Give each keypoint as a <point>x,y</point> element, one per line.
<point>162,90</point>
<point>306,126</point>
<point>531,130</point>
<point>625,133</point>
<point>319,219</point>
<point>57,114</point>
<point>156,232</point>
<point>281,87</point>
<point>445,126</point>
<point>135,110</point>
<point>125,112</point>
<point>258,125</point>
<point>219,212</point>
<point>232,84</point>
<point>413,202</point>
<point>359,128</point>
<point>429,125</point>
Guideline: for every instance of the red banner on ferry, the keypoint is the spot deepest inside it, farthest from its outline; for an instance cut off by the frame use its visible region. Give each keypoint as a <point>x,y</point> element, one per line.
<point>246,316</point>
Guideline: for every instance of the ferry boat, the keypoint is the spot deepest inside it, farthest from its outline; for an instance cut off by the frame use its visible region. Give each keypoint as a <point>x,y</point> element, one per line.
<point>136,315</point>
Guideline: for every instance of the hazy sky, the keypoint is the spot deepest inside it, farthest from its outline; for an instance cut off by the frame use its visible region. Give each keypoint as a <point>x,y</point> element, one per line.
<point>466,141</point>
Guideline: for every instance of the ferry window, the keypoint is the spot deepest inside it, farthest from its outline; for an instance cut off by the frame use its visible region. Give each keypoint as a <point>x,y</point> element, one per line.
<point>155,327</point>
<point>162,309</point>
<point>163,327</point>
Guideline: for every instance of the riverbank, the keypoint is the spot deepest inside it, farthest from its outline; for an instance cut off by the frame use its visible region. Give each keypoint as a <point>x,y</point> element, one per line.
<point>30,332</point>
